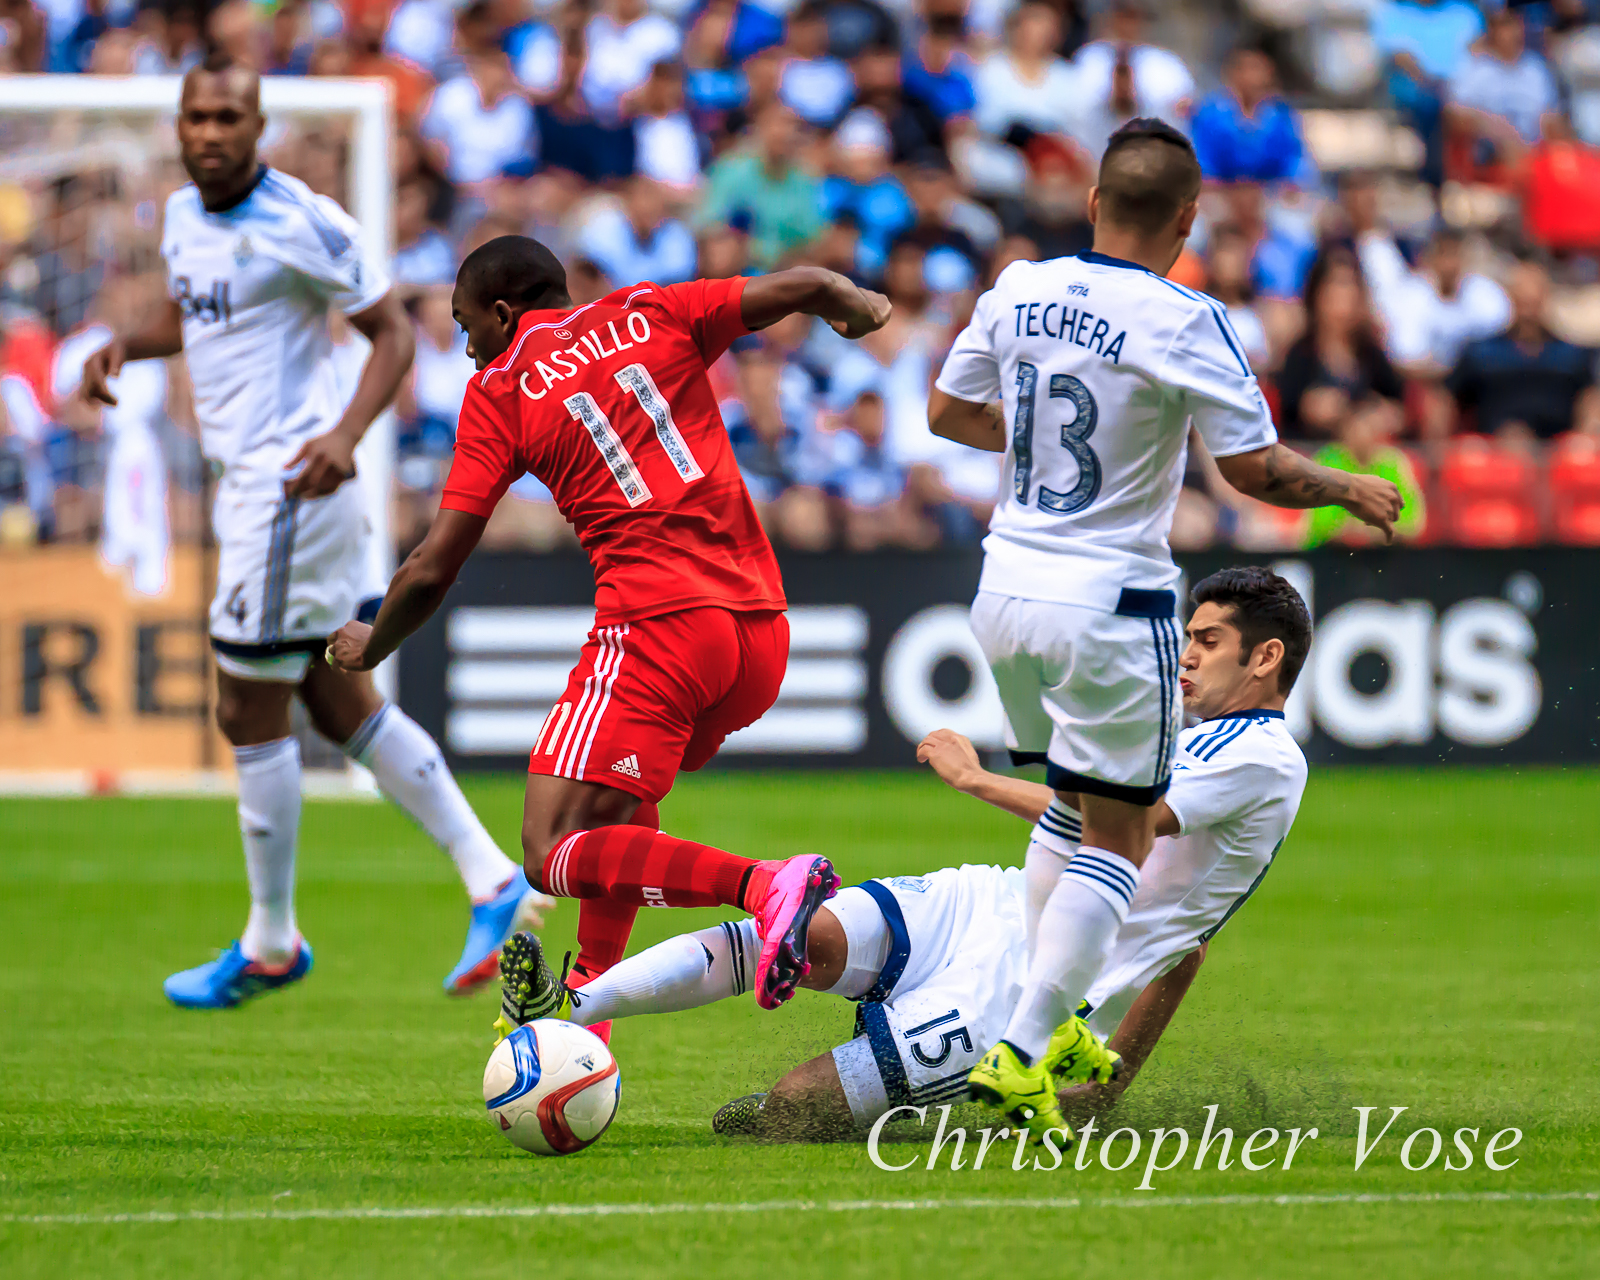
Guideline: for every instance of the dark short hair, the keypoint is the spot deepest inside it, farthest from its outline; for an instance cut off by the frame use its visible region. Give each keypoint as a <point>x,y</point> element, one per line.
<point>513,269</point>
<point>1148,173</point>
<point>1264,607</point>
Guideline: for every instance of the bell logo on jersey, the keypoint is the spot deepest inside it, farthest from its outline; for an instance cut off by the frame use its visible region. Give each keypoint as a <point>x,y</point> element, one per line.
<point>243,252</point>
<point>206,308</point>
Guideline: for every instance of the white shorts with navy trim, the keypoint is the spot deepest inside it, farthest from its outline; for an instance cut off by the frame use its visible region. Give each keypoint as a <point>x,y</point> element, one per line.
<point>290,572</point>
<point>1093,696</point>
<point>956,960</point>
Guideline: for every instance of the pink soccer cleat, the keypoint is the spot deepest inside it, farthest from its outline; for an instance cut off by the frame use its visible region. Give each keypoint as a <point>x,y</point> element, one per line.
<point>798,888</point>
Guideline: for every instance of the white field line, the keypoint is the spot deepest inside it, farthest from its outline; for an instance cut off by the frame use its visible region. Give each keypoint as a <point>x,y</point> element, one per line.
<point>646,1210</point>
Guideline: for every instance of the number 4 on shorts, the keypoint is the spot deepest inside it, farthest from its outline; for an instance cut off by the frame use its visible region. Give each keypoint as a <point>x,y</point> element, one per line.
<point>235,607</point>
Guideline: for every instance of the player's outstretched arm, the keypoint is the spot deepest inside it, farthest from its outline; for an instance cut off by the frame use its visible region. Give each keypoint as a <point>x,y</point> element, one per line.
<point>329,460</point>
<point>161,337</point>
<point>813,291</point>
<point>417,590</point>
<point>979,426</point>
<point>1280,476</point>
<point>955,760</point>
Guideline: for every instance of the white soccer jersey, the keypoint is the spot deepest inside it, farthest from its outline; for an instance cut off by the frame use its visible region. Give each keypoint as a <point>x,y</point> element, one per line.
<point>1101,365</point>
<point>1236,787</point>
<point>254,283</point>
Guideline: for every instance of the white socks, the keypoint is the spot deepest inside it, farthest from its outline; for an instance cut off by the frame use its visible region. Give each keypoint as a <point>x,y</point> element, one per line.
<point>685,972</point>
<point>1079,923</point>
<point>1053,844</point>
<point>412,773</point>
<point>269,821</point>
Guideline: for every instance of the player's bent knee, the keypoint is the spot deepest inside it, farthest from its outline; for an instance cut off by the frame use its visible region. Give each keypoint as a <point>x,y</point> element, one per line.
<point>251,713</point>
<point>536,846</point>
<point>808,1105</point>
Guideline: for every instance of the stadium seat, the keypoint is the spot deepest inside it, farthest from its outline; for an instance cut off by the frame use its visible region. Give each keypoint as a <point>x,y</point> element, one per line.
<point>1489,496</point>
<point>1561,211</point>
<point>1575,489</point>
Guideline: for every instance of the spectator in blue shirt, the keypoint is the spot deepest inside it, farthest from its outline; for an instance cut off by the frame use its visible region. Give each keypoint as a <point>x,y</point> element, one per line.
<point>1425,43</point>
<point>816,86</point>
<point>722,35</point>
<point>1505,96</point>
<point>638,241</point>
<point>862,188</point>
<point>937,71</point>
<point>1246,133</point>
<point>1280,254</point>
<point>1525,383</point>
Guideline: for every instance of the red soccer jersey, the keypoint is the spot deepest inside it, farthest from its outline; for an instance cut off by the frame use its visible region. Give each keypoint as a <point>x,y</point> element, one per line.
<point>609,405</point>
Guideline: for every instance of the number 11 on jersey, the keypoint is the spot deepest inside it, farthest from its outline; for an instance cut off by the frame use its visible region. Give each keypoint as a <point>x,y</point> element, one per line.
<point>1074,439</point>
<point>636,379</point>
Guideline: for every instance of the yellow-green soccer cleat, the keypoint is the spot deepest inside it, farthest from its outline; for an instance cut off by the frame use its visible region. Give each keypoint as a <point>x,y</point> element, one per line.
<point>1077,1056</point>
<point>528,988</point>
<point>740,1118</point>
<point>1026,1095</point>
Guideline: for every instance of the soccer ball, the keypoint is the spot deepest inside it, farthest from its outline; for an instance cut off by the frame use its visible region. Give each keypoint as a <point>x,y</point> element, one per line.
<point>552,1087</point>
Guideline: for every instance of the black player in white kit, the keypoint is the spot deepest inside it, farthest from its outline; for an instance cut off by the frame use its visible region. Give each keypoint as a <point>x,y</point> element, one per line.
<point>254,261</point>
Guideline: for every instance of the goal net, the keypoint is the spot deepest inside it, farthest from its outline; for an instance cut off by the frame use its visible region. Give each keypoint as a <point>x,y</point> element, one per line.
<point>106,560</point>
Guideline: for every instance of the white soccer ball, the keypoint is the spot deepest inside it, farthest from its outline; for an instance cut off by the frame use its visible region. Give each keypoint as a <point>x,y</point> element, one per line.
<point>552,1087</point>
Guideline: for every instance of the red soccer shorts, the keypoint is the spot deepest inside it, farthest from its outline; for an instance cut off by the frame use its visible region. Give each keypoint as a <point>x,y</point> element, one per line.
<point>651,697</point>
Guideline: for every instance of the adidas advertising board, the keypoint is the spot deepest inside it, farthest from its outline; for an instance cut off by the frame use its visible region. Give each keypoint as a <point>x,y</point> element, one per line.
<point>1421,656</point>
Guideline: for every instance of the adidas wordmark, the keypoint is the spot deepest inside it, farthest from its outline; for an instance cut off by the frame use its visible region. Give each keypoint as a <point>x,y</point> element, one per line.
<point>627,766</point>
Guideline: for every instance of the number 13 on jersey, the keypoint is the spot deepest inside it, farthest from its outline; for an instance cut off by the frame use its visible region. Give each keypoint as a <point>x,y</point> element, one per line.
<point>1074,439</point>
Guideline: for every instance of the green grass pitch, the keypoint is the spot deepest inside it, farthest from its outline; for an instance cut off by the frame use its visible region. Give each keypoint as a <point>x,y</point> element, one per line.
<point>1426,940</point>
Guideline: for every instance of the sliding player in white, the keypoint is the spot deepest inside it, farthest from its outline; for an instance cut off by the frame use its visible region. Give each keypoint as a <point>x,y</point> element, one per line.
<point>254,261</point>
<point>1101,365</point>
<point>937,961</point>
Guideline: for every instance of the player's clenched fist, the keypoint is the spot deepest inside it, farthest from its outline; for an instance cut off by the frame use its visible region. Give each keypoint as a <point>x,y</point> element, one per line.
<point>100,368</point>
<point>872,315</point>
<point>347,648</point>
<point>1375,501</point>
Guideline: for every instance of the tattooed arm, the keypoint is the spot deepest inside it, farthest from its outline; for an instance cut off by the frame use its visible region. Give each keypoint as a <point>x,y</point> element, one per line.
<point>982,426</point>
<point>1279,476</point>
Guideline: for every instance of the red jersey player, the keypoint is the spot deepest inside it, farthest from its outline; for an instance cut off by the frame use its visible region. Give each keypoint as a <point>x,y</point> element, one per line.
<point>609,405</point>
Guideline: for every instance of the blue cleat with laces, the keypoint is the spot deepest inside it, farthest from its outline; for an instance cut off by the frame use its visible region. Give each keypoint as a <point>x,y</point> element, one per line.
<point>517,904</point>
<point>231,979</point>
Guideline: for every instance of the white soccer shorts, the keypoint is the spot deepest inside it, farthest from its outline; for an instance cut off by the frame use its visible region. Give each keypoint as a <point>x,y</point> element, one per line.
<point>1093,696</point>
<point>956,960</point>
<point>290,572</point>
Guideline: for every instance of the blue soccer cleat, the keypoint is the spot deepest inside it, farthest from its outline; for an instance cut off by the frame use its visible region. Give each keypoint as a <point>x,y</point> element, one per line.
<point>517,904</point>
<point>231,979</point>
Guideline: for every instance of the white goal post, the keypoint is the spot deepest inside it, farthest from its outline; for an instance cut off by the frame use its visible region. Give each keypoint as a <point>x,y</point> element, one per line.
<point>53,126</point>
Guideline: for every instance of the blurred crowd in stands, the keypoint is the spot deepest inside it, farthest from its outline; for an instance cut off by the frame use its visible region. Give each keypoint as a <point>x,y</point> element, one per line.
<point>1402,217</point>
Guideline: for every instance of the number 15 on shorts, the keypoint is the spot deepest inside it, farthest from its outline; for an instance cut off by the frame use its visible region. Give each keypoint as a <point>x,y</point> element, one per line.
<point>949,1037</point>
